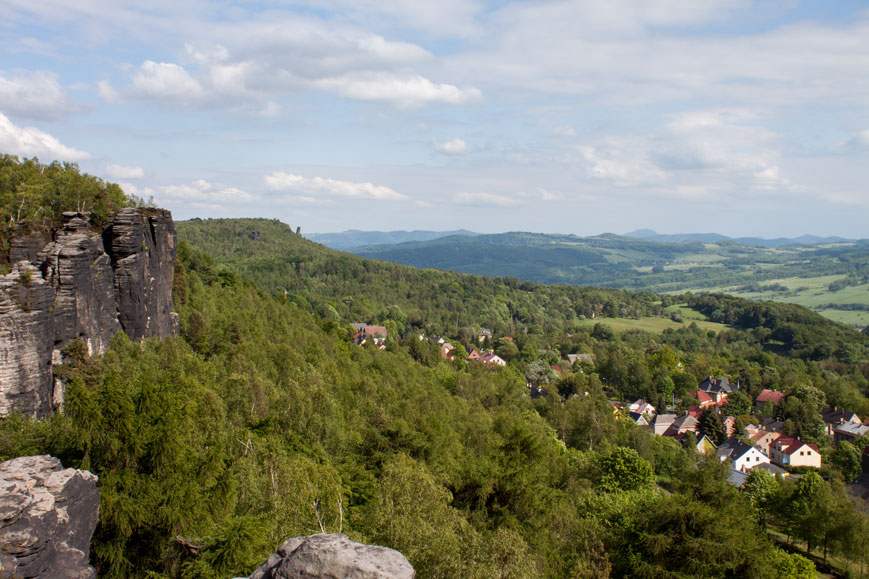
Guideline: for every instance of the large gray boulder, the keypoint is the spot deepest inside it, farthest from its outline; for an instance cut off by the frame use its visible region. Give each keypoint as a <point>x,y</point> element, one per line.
<point>333,557</point>
<point>47,517</point>
<point>85,283</point>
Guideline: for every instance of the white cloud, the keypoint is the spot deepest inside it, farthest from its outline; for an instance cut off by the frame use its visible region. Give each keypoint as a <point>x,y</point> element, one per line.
<point>485,199</point>
<point>404,91</point>
<point>107,93</point>
<point>202,192</point>
<point>120,172</point>
<point>35,94</point>
<point>281,181</point>
<point>453,147</point>
<point>165,80</point>
<point>30,141</point>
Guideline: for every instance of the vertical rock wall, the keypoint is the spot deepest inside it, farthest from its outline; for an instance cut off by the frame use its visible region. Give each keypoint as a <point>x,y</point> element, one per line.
<point>85,284</point>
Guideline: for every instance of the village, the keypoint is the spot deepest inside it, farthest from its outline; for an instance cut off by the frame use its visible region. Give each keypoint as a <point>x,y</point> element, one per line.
<point>704,425</point>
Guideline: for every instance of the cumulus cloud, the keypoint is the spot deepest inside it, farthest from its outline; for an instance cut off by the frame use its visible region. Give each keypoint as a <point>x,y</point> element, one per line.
<point>165,80</point>
<point>282,181</point>
<point>35,94</point>
<point>452,147</point>
<point>201,193</point>
<point>30,141</point>
<point>120,172</point>
<point>485,199</point>
<point>405,91</point>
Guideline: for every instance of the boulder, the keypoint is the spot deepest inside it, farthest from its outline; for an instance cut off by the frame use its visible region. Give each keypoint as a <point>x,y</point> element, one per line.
<point>47,518</point>
<point>333,556</point>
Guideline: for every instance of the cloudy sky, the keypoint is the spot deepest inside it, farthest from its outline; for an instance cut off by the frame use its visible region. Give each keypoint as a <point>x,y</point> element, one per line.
<point>733,116</point>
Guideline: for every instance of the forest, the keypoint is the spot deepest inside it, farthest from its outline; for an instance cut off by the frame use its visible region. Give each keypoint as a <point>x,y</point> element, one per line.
<point>263,420</point>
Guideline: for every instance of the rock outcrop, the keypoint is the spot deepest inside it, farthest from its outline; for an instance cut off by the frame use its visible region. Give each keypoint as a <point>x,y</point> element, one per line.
<point>84,284</point>
<point>333,557</point>
<point>47,517</point>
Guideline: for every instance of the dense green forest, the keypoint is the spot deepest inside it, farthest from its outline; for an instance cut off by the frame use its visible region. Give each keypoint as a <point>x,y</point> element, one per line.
<point>263,420</point>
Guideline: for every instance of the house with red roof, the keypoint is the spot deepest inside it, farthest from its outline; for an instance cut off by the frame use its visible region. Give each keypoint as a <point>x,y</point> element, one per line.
<point>771,396</point>
<point>787,451</point>
<point>704,400</point>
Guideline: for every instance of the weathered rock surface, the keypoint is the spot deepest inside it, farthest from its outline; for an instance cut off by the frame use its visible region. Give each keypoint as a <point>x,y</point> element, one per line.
<point>333,557</point>
<point>47,517</point>
<point>84,284</point>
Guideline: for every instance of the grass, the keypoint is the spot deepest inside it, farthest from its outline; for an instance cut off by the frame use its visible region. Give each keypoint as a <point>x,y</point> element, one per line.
<point>811,292</point>
<point>651,324</point>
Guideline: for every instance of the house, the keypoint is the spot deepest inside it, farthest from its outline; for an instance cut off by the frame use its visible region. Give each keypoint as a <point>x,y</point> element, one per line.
<point>763,440</point>
<point>705,445</point>
<point>717,388</point>
<point>768,396</point>
<point>662,423</point>
<point>574,358</point>
<point>638,418</point>
<point>774,470</point>
<point>642,407</point>
<point>492,358</point>
<point>377,334</point>
<point>474,355</point>
<point>447,351</point>
<point>790,452</point>
<point>736,478</point>
<point>729,425</point>
<point>834,417</point>
<point>773,425</point>
<point>742,456</point>
<point>850,431</point>
<point>675,426</point>
<point>704,400</point>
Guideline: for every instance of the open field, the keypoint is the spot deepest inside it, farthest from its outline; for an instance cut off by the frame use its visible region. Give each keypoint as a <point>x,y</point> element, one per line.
<point>649,324</point>
<point>813,293</point>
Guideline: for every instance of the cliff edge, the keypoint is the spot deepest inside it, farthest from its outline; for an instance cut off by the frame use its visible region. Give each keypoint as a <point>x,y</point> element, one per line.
<point>87,284</point>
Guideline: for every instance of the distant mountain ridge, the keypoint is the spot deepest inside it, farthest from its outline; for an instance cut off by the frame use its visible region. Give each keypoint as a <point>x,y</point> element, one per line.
<point>650,235</point>
<point>356,238</point>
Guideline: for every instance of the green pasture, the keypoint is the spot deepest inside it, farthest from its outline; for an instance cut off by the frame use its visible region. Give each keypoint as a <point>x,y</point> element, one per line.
<point>651,324</point>
<point>810,292</point>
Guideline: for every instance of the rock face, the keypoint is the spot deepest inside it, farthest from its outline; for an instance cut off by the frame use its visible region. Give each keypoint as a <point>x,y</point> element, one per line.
<point>333,557</point>
<point>47,517</point>
<point>84,284</point>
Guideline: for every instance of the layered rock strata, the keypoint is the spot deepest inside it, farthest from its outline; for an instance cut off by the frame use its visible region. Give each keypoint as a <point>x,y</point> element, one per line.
<point>84,284</point>
<point>47,518</point>
<point>333,556</point>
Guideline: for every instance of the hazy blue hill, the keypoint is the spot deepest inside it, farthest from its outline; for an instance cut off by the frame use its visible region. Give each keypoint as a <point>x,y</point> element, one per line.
<point>356,238</point>
<point>651,235</point>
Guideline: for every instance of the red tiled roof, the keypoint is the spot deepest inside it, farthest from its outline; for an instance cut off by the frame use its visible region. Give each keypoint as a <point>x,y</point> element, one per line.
<point>701,396</point>
<point>771,396</point>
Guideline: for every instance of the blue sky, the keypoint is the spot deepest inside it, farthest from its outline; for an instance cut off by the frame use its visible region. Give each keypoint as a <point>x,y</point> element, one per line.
<point>739,117</point>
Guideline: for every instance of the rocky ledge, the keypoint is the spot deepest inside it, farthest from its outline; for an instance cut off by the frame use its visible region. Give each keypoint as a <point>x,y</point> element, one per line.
<point>47,517</point>
<point>84,284</point>
<point>333,556</point>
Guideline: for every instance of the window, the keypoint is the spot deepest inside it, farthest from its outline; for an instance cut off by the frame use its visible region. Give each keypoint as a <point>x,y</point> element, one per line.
<point>801,453</point>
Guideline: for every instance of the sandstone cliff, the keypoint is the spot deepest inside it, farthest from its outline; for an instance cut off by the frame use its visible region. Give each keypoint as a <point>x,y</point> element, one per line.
<point>84,284</point>
<point>47,517</point>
